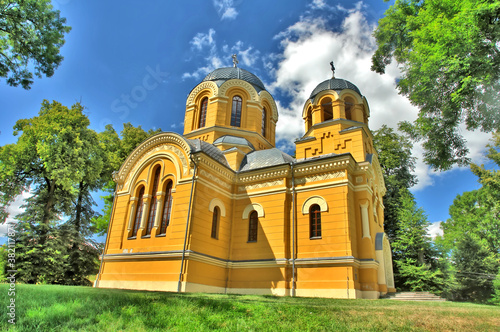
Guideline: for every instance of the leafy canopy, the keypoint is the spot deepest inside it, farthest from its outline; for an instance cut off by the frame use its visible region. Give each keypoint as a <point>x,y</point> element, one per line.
<point>31,35</point>
<point>397,163</point>
<point>450,61</point>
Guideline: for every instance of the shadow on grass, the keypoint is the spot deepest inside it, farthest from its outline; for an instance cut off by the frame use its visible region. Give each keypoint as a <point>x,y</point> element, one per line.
<point>72,308</point>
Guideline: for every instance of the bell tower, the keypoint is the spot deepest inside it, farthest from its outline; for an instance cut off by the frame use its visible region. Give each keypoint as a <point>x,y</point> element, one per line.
<point>336,121</point>
<point>231,105</point>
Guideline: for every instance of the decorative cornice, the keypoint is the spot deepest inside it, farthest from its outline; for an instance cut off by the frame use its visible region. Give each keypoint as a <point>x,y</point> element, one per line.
<point>202,86</point>
<point>215,179</point>
<point>261,185</point>
<point>208,162</point>
<point>276,173</point>
<point>320,167</point>
<point>320,177</point>
<point>241,84</point>
<point>153,144</point>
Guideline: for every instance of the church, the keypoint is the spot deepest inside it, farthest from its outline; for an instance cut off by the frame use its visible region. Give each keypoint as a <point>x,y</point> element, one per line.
<point>220,209</point>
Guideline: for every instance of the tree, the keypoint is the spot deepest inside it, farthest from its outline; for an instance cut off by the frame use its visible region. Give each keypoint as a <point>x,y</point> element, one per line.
<point>475,269</point>
<point>450,62</point>
<point>472,233</point>
<point>397,163</point>
<point>31,35</point>
<point>116,151</point>
<point>60,160</point>
<point>416,266</point>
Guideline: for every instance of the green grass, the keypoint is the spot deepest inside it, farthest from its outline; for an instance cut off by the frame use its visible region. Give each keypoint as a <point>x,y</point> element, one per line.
<point>68,308</point>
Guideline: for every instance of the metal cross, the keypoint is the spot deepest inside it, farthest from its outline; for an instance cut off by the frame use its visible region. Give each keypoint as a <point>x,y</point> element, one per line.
<point>333,69</point>
<point>235,60</point>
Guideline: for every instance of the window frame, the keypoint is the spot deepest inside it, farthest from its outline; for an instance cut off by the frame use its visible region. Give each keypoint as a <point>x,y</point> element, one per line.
<point>264,122</point>
<point>253,226</point>
<point>315,222</point>
<point>215,223</point>
<point>138,213</point>
<point>236,110</point>
<point>202,121</point>
<point>167,209</point>
<point>154,203</point>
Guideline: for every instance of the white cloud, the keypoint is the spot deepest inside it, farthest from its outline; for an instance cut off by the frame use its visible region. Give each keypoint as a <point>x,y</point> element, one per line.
<point>13,210</point>
<point>202,40</point>
<point>225,9</point>
<point>308,46</point>
<point>434,230</point>
<point>318,4</point>
<point>205,43</point>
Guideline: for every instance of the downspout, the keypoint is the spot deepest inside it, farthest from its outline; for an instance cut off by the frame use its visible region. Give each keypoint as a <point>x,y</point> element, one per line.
<point>187,224</point>
<point>96,284</point>
<point>293,230</point>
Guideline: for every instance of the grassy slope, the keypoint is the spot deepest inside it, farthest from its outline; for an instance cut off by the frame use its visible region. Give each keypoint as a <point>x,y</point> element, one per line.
<point>66,308</point>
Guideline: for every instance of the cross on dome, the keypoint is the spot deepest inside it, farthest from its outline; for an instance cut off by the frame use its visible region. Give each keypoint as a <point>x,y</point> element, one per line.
<point>235,60</point>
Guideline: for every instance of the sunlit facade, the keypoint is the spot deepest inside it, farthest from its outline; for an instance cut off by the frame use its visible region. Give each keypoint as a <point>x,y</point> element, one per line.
<point>221,209</point>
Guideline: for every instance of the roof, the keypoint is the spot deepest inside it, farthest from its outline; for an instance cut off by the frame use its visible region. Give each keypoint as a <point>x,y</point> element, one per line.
<point>222,75</point>
<point>336,84</point>
<point>264,158</point>
<point>229,139</point>
<point>198,145</point>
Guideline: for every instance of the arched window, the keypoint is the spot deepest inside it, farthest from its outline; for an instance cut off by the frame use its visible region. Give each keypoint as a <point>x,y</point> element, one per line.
<point>138,212</point>
<point>327,108</point>
<point>309,118</point>
<point>253,224</point>
<point>203,113</point>
<point>154,202</point>
<point>348,108</point>
<point>315,221</point>
<point>167,207</point>
<point>215,222</point>
<point>264,121</point>
<point>236,111</point>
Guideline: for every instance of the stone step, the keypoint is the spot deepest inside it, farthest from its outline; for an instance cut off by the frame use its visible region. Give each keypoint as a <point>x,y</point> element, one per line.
<point>415,296</point>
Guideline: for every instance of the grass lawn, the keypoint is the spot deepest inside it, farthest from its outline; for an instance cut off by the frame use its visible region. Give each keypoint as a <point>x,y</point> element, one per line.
<point>67,308</point>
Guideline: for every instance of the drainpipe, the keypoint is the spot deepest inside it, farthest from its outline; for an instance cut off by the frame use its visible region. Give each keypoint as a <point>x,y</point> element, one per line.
<point>187,224</point>
<point>96,284</point>
<point>293,230</point>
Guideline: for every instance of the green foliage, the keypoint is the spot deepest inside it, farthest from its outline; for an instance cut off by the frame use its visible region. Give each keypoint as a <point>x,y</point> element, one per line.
<point>116,151</point>
<point>475,268</point>
<point>448,55</point>
<point>416,266</point>
<point>472,234</point>
<point>31,36</point>
<point>397,163</point>
<point>59,159</point>
<point>496,290</point>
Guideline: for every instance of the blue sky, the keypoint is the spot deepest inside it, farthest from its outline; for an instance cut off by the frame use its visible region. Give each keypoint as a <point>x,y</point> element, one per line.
<point>131,61</point>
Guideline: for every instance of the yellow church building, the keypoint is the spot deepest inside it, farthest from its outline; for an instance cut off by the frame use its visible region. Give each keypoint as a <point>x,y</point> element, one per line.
<point>220,209</point>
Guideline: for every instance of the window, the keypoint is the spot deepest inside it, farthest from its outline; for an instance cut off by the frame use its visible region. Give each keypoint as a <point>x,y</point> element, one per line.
<point>215,222</point>
<point>253,226</point>
<point>203,113</point>
<point>154,202</point>
<point>327,108</point>
<point>138,212</point>
<point>309,118</point>
<point>348,108</point>
<point>236,111</point>
<point>167,207</point>
<point>264,120</point>
<point>315,221</point>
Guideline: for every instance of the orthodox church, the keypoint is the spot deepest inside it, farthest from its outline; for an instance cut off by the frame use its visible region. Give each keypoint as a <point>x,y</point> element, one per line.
<point>220,209</point>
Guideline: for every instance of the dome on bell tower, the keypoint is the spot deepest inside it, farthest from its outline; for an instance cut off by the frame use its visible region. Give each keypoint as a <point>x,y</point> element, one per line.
<point>336,84</point>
